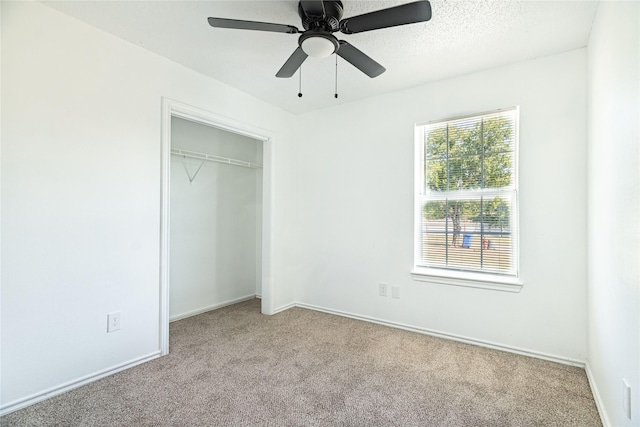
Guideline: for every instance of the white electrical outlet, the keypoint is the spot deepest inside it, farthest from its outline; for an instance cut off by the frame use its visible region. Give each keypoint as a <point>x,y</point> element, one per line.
<point>395,291</point>
<point>114,321</point>
<point>382,289</point>
<point>626,398</point>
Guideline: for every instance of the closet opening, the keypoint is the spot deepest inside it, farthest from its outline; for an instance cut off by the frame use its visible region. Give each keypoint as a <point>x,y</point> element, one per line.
<point>215,237</point>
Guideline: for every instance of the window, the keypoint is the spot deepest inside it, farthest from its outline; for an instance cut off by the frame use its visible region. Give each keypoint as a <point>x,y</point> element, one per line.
<point>466,197</point>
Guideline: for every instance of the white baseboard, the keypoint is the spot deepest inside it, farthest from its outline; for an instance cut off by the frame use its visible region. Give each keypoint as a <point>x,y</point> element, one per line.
<point>284,307</point>
<point>210,307</point>
<point>454,337</point>
<point>53,391</point>
<point>38,397</point>
<point>596,396</point>
<point>63,388</point>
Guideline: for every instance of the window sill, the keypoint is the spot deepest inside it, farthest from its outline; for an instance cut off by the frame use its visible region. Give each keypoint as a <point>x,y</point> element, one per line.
<point>471,280</point>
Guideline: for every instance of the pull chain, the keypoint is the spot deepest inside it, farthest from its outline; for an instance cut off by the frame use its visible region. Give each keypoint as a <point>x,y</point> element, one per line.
<point>336,91</point>
<point>300,82</point>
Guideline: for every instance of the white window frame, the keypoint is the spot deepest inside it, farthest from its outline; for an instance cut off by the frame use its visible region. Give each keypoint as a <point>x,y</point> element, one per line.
<point>484,280</point>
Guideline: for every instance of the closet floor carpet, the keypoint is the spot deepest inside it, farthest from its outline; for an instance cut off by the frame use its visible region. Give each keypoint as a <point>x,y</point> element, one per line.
<point>237,367</point>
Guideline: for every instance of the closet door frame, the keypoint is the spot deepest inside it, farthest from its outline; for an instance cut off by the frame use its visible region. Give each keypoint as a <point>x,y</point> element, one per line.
<point>172,108</point>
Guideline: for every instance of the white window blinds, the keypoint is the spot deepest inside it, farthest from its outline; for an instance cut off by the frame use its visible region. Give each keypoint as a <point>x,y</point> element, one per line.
<point>467,192</point>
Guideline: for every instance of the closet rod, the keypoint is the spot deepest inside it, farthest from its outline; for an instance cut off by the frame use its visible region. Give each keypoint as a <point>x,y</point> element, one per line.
<point>212,158</point>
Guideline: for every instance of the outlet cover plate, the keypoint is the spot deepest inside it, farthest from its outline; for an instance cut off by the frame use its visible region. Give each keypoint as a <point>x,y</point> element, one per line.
<point>114,321</point>
<point>382,289</point>
<point>626,398</point>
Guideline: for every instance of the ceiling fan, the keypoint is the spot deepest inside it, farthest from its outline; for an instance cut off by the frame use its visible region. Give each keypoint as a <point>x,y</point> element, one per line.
<point>322,18</point>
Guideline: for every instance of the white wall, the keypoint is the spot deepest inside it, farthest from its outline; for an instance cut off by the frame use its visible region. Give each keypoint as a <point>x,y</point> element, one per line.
<point>355,201</point>
<point>614,208</point>
<point>80,201</point>
<point>213,243</point>
<point>81,123</point>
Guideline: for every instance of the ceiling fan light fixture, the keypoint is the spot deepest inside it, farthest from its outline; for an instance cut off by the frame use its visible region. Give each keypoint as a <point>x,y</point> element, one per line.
<point>318,46</point>
<point>321,19</point>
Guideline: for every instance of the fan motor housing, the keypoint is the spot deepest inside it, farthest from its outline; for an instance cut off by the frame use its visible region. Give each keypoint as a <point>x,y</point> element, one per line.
<point>330,22</point>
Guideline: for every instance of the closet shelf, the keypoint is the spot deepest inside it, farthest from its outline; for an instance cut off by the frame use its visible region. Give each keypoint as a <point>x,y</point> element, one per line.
<point>212,158</point>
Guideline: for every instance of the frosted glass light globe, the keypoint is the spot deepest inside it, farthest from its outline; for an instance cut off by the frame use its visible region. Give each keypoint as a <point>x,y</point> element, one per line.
<point>318,47</point>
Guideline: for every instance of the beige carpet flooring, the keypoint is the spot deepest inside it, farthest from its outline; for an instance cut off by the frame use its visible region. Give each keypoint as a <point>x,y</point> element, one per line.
<point>236,367</point>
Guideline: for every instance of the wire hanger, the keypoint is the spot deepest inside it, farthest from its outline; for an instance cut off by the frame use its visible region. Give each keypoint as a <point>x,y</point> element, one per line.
<point>186,169</point>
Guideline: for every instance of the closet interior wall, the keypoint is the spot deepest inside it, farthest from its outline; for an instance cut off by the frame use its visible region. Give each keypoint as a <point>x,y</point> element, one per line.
<point>215,219</point>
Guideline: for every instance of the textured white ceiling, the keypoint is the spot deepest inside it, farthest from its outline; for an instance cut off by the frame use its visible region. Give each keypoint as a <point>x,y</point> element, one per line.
<point>463,36</point>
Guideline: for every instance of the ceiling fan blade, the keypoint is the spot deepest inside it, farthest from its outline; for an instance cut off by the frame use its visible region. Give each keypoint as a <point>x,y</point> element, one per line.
<point>293,63</point>
<point>251,25</point>
<point>360,60</point>
<point>410,13</point>
<point>313,7</point>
